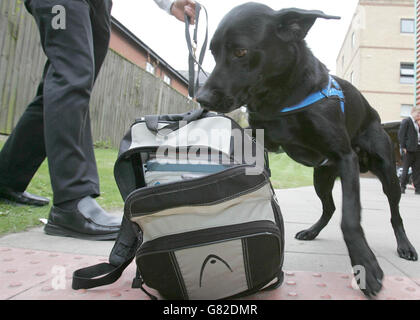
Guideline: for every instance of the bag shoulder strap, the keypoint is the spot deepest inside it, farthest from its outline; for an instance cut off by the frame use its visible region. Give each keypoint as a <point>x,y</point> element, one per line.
<point>122,254</point>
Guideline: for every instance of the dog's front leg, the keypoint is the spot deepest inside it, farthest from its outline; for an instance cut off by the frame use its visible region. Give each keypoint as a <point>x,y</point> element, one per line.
<point>361,256</point>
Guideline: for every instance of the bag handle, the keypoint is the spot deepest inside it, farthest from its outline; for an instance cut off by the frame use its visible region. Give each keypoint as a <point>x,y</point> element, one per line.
<point>152,121</point>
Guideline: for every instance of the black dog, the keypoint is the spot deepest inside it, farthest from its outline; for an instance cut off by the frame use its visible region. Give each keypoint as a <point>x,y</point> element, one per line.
<point>262,61</point>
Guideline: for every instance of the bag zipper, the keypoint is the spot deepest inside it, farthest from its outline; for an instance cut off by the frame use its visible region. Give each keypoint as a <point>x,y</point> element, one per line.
<point>138,193</point>
<point>209,236</point>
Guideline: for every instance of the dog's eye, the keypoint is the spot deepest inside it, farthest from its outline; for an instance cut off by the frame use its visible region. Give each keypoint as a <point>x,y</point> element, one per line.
<point>240,52</point>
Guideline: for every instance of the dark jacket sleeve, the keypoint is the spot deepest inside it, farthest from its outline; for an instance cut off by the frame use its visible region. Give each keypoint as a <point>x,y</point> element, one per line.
<point>402,133</point>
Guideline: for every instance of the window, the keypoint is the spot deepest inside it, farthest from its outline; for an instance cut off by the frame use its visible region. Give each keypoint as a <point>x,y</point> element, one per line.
<point>353,39</point>
<point>407,73</point>
<point>150,68</point>
<point>406,110</point>
<point>166,79</point>
<point>407,25</point>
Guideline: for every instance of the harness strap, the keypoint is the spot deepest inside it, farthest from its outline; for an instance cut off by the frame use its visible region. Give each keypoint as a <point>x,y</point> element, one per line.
<point>333,89</point>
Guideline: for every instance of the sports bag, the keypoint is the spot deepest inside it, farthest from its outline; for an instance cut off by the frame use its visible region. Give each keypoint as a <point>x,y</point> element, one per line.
<point>201,219</point>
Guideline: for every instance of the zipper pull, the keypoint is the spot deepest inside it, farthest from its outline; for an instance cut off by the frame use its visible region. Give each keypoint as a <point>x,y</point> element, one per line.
<point>138,284</point>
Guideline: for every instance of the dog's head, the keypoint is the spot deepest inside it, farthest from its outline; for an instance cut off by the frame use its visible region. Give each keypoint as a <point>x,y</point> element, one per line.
<point>252,44</point>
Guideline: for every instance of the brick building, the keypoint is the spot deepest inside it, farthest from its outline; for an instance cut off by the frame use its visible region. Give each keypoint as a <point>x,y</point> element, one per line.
<point>378,55</point>
<point>126,44</point>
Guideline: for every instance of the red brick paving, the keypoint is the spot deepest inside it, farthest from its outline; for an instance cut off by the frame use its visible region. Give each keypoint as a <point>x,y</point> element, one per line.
<point>41,275</point>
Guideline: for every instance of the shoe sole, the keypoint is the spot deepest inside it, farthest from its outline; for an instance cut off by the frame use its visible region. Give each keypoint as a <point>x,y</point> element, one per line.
<point>19,203</point>
<point>54,230</point>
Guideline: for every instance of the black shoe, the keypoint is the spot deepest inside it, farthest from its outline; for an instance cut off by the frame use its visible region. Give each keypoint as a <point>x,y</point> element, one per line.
<point>89,221</point>
<point>23,197</point>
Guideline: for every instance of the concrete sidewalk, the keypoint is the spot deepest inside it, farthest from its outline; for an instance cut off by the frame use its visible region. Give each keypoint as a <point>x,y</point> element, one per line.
<point>318,269</point>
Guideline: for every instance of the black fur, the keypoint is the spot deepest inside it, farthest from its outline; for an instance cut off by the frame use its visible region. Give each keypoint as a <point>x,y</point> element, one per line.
<point>278,71</point>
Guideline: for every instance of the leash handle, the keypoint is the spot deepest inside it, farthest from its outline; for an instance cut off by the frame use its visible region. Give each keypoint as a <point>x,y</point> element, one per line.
<point>194,79</point>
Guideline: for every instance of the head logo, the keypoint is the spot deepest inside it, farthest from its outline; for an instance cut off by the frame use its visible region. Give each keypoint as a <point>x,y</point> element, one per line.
<point>212,259</point>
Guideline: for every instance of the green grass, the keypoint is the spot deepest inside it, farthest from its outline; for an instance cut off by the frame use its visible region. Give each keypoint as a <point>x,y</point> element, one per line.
<point>286,173</point>
<point>14,218</point>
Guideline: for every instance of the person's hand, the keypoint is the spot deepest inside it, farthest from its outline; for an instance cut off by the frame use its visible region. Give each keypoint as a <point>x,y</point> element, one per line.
<point>179,7</point>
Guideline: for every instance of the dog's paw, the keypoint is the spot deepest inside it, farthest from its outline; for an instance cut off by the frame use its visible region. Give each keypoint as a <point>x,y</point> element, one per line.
<point>368,274</point>
<point>307,235</point>
<point>407,252</point>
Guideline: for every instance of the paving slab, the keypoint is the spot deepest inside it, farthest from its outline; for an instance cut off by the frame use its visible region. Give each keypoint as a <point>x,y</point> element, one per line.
<point>301,208</point>
<point>44,275</point>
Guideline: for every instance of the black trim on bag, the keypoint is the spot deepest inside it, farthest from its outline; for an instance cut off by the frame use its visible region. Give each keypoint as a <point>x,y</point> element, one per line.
<point>250,232</point>
<point>279,221</point>
<point>211,189</point>
<point>157,272</point>
<point>246,263</point>
<point>263,262</point>
<point>207,236</point>
<point>122,174</point>
<point>137,164</point>
<point>178,273</point>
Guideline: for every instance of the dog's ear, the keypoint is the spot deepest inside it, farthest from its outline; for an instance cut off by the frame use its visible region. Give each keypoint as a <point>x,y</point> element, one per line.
<point>293,24</point>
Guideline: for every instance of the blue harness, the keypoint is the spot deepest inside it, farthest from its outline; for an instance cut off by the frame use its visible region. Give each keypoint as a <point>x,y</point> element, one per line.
<point>333,89</point>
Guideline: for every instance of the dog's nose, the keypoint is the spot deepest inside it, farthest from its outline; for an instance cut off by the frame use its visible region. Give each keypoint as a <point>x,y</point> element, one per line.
<point>204,98</point>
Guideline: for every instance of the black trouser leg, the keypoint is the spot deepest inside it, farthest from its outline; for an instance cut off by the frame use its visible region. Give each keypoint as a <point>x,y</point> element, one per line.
<point>24,150</point>
<point>407,163</point>
<point>416,170</point>
<point>74,62</point>
<point>101,30</point>
<point>100,15</point>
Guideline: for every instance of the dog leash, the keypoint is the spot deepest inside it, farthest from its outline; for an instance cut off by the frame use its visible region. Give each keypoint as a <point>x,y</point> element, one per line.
<point>194,77</point>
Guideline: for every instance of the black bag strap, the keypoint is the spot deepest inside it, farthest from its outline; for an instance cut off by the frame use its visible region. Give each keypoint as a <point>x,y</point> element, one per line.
<point>152,121</point>
<point>137,164</point>
<point>87,278</point>
<point>122,254</point>
<point>194,79</point>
